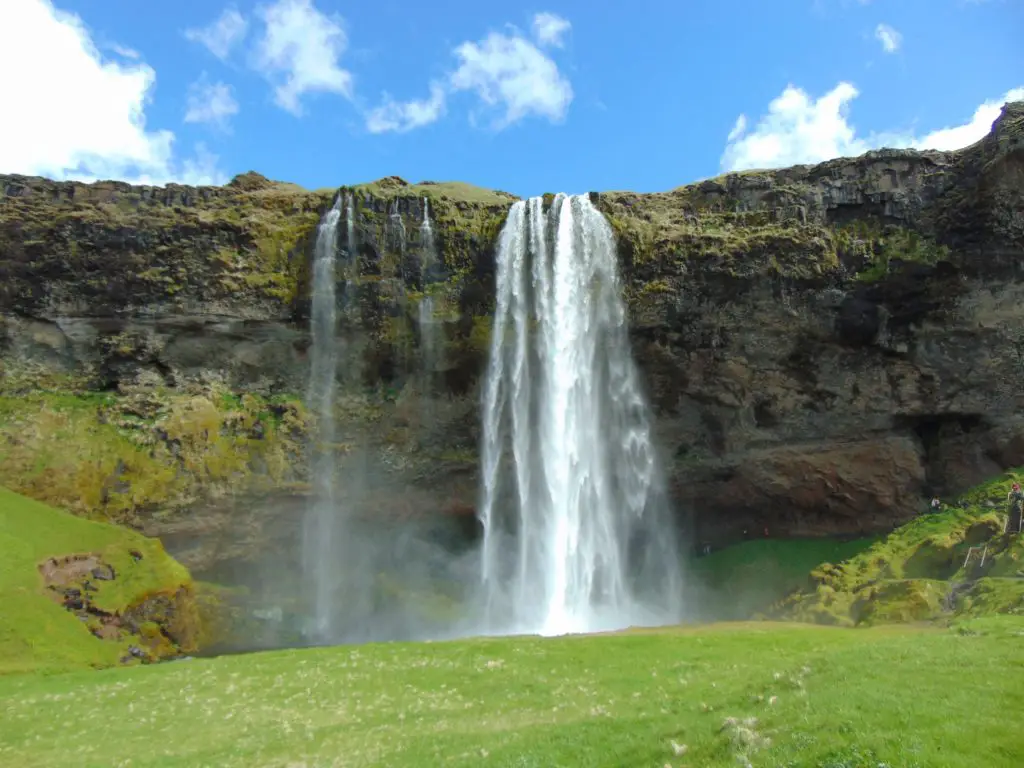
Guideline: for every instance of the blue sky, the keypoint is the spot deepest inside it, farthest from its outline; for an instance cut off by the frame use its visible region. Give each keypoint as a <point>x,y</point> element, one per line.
<point>567,95</point>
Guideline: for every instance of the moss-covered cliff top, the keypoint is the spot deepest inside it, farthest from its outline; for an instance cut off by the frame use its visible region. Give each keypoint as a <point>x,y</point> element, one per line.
<point>69,248</point>
<point>453,191</point>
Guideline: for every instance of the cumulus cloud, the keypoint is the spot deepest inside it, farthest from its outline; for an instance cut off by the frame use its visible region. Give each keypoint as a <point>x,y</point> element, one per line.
<point>798,129</point>
<point>549,29</point>
<point>222,35</point>
<point>400,117</point>
<point>212,103</point>
<point>888,37</point>
<point>508,73</point>
<point>299,52</point>
<point>81,115</point>
<point>975,129</point>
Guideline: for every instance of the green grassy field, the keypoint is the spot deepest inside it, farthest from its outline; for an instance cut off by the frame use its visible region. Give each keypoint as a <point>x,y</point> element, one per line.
<point>36,632</point>
<point>725,695</point>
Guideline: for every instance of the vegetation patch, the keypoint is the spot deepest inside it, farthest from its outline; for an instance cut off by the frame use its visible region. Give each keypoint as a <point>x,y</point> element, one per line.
<point>114,457</point>
<point>81,593</point>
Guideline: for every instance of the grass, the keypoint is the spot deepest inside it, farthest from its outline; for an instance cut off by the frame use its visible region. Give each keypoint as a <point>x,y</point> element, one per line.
<point>723,695</point>
<point>747,578</point>
<point>37,633</point>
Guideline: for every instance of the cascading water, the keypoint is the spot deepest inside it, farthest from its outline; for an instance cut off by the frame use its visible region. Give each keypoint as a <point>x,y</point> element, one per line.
<point>428,326</point>
<point>576,527</point>
<point>322,530</point>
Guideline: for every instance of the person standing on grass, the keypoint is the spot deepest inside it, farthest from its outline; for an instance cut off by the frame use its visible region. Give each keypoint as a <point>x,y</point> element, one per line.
<point>1016,499</point>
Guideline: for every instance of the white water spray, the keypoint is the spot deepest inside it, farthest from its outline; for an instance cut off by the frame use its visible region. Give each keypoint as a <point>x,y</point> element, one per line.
<point>323,524</point>
<point>577,535</point>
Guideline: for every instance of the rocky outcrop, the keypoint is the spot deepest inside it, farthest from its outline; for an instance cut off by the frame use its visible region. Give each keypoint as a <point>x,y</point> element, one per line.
<point>823,345</point>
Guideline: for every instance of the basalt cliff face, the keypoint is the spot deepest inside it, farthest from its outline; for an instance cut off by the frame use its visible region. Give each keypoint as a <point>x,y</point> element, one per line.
<point>824,346</point>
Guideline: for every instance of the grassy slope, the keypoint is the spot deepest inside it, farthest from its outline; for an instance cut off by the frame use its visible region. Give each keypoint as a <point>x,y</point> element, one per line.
<point>35,632</point>
<point>748,577</point>
<point>911,574</point>
<point>821,696</point>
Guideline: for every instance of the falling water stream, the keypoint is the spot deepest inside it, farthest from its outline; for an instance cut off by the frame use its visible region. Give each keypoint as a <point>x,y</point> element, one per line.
<point>322,530</point>
<point>572,502</point>
<point>428,325</point>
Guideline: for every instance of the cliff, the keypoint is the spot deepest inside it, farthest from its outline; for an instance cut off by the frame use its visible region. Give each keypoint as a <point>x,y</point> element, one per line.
<point>823,345</point>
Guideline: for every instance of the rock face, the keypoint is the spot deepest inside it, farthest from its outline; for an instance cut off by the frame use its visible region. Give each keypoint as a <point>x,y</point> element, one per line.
<point>824,346</point>
<point>828,345</point>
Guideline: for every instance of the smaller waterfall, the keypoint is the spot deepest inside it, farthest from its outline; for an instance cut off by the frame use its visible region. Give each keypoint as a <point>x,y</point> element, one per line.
<point>351,258</point>
<point>324,519</point>
<point>396,229</point>
<point>350,229</point>
<point>429,327</point>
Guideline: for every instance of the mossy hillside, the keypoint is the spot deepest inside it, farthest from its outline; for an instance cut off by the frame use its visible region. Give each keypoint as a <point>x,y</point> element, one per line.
<point>115,457</point>
<point>113,245</point>
<point>36,632</point>
<point>921,571</point>
<point>724,695</point>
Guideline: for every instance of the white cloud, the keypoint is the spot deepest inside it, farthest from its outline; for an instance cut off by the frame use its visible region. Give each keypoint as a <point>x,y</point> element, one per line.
<point>798,129</point>
<point>888,37</point>
<point>212,103</point>
<point>506,72</point>
<point>221,35</point>
<point>299,52</point>
<point>548,29</point>
<point>80,115</point>
<point>512,74</point>
<point>128,53</point>
<point>795,130</point>
<point>405,116</point>
<point>738,128</point>
<point>979,125</point>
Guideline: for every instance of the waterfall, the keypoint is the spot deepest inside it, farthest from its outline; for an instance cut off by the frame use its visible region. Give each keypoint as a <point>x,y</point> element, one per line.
<point>323,523</point>
<point>350,229</point>
<point>577,533</point>
<point>396,229</point>
<point>427,323</point>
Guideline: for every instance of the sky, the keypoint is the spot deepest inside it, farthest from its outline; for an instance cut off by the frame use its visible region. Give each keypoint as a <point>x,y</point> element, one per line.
<point>564,96</point>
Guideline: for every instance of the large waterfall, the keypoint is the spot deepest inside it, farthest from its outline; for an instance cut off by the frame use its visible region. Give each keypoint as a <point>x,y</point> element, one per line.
<point>576,530</point>
<point>321,535</point>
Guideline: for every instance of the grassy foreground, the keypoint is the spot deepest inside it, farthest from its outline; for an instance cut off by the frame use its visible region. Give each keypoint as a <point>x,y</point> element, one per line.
<point>723,695</point>
<point>36,632</point>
